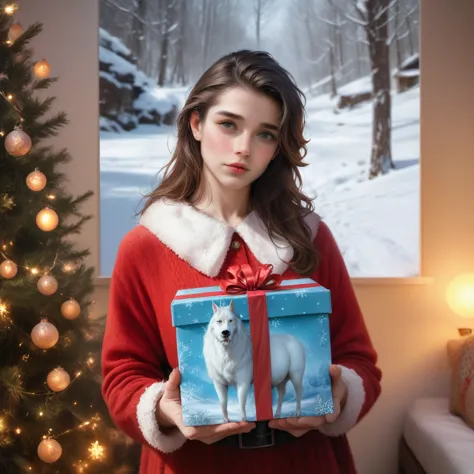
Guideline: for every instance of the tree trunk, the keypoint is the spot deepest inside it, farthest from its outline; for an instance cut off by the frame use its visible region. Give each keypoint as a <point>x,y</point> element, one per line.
<point>257,20</point>
<point>397,37</point>
<point>377,34</point>
<point>410,37</point>
<point>138,30</point>
<point>339,41</point>
<point>179,75</point>
<point>165,40</point>
<point>332,66</point>
<point>207,5</point>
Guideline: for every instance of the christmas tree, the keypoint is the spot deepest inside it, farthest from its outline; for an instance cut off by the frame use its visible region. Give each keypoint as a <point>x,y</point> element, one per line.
<point>52,416</point>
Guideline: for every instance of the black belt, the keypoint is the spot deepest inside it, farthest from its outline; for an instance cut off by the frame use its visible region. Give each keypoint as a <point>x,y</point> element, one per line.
<point>262,436</point>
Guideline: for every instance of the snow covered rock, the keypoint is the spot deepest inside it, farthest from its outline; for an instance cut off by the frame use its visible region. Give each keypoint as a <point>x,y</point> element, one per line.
<point>128,97</point>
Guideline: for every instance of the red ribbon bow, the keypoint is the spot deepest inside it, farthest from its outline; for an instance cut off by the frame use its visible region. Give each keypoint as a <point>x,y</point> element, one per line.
<point>241,278</point>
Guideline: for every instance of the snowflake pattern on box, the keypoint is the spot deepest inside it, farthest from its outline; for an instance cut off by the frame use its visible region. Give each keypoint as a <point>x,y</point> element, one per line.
<point>275,322</point>
<point>295,313</point>
<point>323,337</point>
<point>303,293</point>
<point>322,406</point>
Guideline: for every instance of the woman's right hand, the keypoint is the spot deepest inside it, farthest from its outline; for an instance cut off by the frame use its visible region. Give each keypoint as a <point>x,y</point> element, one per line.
<point>169,414</point>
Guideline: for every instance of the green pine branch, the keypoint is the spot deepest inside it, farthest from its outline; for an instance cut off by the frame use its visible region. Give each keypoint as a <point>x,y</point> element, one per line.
<point>20,43</point>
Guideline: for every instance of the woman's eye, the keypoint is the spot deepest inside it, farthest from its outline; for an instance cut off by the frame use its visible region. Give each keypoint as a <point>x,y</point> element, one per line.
<point>228,125</point>
<point>267,136</point>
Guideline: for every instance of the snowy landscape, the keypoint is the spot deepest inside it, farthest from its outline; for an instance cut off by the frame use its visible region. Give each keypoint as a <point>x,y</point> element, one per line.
<point>376,222</point>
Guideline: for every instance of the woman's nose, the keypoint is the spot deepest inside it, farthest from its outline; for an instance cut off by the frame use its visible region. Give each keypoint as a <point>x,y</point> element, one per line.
<point>242,145</point>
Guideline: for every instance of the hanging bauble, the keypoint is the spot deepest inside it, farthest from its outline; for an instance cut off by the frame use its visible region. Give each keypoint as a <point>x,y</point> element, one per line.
<point>15,31</point>
<point>36,180</point>
<point>58,380</point>
<point>49,450</point>
<point>18,143</point>
<point>47,285</point>
<point>41,69</point>
<point>45,335</point>
<point>47,219</point>
<point>8,269</point>
<point>70,309</point>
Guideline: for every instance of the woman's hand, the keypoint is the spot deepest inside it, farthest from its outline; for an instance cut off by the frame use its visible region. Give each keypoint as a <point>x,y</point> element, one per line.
<point>169,414</point>
<point>299,426</point>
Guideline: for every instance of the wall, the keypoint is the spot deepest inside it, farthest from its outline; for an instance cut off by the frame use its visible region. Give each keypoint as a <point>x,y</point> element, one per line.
<point>408,319</point>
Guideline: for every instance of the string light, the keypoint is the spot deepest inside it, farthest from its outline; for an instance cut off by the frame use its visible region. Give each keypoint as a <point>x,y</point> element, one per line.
<point>3,424</point>
<point>3,309</point>
<point>10,9</point>
<point>96,451</point>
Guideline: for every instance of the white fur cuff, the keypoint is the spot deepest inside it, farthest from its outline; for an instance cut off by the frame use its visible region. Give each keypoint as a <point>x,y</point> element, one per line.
<point>355,400</point>
<point>148,425</point>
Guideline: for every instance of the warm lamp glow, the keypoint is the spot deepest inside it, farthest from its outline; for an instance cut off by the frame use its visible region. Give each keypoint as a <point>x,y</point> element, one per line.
<point>460,295</point>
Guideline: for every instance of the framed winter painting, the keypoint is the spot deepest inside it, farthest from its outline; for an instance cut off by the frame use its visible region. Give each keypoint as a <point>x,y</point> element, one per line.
<point>358,65</point>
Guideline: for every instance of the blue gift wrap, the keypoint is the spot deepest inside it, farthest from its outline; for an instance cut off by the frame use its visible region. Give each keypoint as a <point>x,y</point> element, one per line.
<point>219,365</point>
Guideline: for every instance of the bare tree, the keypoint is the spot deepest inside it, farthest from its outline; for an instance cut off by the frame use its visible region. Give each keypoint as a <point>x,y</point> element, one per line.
<point>179,75</point>
<point>262,9</point>
<point>167,7</point>
<point>138,29</point>
<point>402,24</point>
<point>375,15</point>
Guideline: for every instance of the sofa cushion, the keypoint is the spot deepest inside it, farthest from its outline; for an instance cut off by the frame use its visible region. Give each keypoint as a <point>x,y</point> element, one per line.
<point>441,442</point>
<point>461,357</point>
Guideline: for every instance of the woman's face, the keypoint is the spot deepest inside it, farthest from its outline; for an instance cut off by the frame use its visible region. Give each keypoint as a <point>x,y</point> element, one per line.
<point>238,137</point>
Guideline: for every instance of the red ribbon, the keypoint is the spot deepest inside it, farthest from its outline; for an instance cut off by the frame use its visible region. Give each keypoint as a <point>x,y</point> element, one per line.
<point>242,279</point>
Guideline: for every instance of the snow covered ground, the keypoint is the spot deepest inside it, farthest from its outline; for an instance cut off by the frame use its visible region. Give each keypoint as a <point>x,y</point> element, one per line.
<point>376,223</point>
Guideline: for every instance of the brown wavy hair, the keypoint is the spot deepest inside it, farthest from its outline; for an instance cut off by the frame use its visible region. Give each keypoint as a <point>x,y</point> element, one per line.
<point>276,195</point>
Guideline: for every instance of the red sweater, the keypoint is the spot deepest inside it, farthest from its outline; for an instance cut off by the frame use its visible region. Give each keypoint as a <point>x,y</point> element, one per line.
<point>176,247</point>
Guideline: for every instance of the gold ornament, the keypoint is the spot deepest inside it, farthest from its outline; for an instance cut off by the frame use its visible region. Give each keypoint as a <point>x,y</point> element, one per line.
<point>42,69</point>
<point>18,143</point>
<point>58,380</point>
<point>71,309</point>
<point>8,269</point>
<point>15,31</point>
<point>36,180</point>
<point>47,219</point>
<point>49,450</point>
<point>45,335</point>
<point>47,285</point>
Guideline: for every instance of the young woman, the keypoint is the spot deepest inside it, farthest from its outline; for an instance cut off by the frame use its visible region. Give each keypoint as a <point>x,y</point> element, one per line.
<point>230,195</point>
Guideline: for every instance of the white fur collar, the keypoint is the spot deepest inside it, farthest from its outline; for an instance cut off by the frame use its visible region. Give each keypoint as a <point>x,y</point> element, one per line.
<point>203,241</point>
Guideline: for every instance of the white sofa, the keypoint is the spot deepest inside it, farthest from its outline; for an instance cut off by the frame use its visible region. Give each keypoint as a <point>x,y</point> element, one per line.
<point>435,441</point>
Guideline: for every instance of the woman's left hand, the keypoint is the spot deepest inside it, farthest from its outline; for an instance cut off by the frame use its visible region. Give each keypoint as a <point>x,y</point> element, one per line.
<point>299,426</point>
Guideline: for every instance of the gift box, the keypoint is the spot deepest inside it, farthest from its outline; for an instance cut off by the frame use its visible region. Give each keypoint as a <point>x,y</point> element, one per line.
<point>253,348</point>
